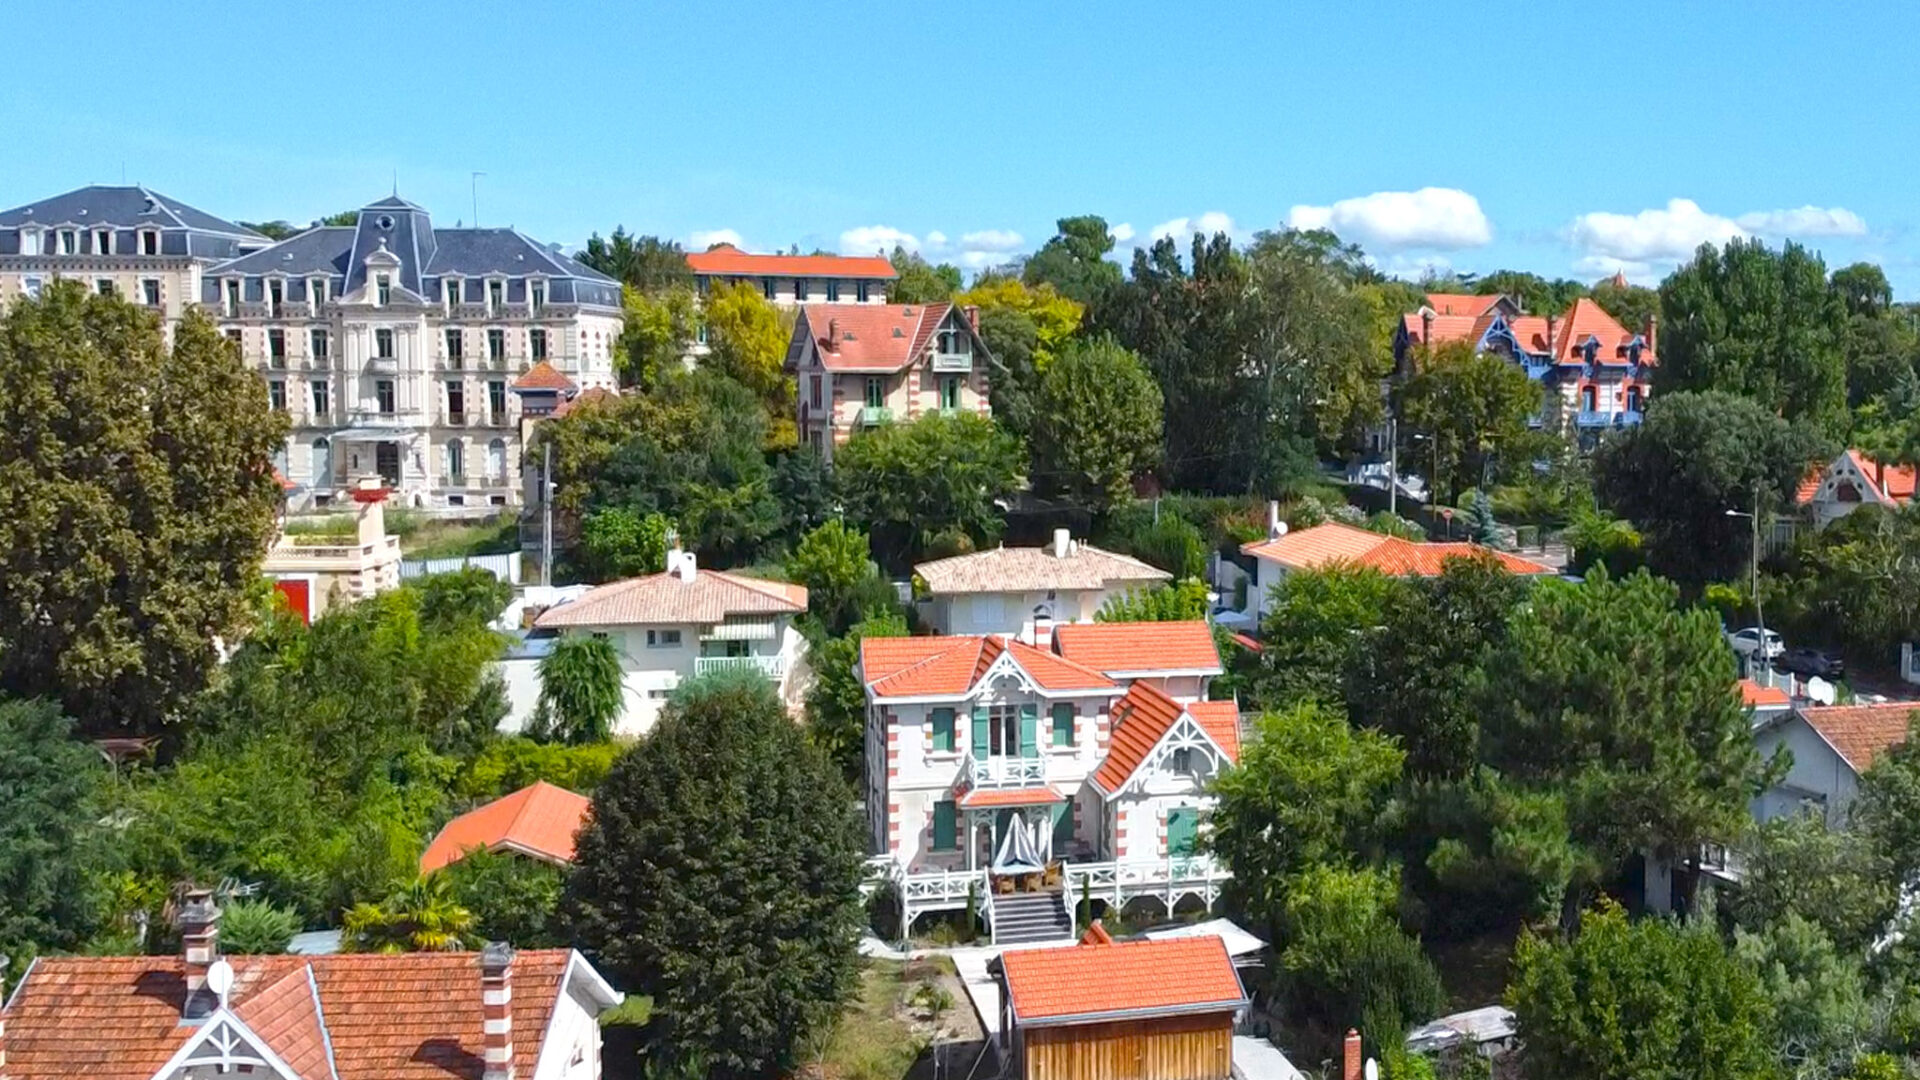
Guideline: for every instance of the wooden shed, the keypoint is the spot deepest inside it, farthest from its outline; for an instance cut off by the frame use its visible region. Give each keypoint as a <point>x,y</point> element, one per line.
<point>1136,1010</point>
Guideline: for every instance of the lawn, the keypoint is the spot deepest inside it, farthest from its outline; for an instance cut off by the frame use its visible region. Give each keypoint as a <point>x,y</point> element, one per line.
<point>903,1009</point>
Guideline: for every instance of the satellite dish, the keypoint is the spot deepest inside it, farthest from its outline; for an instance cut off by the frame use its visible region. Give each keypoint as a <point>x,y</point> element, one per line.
<point>220,980</point>
<point>1373,1069</point>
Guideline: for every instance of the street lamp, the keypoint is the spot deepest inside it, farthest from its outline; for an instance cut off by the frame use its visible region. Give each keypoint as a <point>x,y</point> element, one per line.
<point>1759,619</point>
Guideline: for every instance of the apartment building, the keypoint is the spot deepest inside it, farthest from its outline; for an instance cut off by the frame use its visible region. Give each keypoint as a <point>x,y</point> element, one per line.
<point>865,365</point>
<point>145,246</point>
<point>792,280</point>
<point>394,345</point>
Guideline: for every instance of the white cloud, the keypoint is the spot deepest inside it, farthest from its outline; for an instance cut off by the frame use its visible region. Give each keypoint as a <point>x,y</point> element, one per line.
<point>1183,228</point>
<point>1806,221</point>
<point>1121,233</point>
<point>1415,267</point>
<point>1444,219</point>
<point>1652,235</point>
<point>702,239</point>
<point>980,260</point>
<point>936,239</point>
<point>991,240</point>
<point>868,239</point>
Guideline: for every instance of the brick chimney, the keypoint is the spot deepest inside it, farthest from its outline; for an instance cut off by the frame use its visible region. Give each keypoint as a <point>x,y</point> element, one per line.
<point>1553,323</point>
<point>199,922</point>
<point>496,1010</point>
<point>1652,327</point>
<point>972,312</point>
<point>1353,1057</point>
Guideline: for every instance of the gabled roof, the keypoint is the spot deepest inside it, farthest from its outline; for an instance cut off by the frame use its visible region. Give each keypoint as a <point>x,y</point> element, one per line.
<point>871,337</point>
<point>952,666</point>
<point>1861,733</point>
<point>1097,981</point>
<point>1142,719</point>
<point>668,599</point>
<point>1586,319</point>
<point>1468,318</point>
<point>1140,648</point>
<point>726,259</point>
<point>539,821</point>
<point>1895,485</point>
<point>544,376</point>
<point>407,1016</point>
<point>125,207</point>
<point>1035,569</point>
<point>1335,542</point>
<point>1469,304</point>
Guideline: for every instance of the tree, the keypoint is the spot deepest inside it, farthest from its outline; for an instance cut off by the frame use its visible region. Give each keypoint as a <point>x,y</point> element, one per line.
<point>1535,294</point>
<point>747,342</point>
<point>837,700</point>
<point>1630,1000</point>
<point>619,542</point>
<point>251,927</point>
<point>1759,323</point>
<point>803,486</point>
<point>1888,807</point>
<point>275,230</point>
<point>718,873</point>
<point>342,219</point>
<point>1697,456</point>
<point>1096,425</point>
<point>1184,600</point>
<point>458,600</point>
<point>1012,340</point>
<point>656,331</point>
<point>918,282</point>
<point>137,496</point>
<point>1839,879</point>
<point>1346,963</point>
<point>506,765</point>
<point>1055,317</point>
<point>1480,851</point>
<point>582,691</point>
<point>645,263</point>
<point>1857,582</point>
<point>513,898</point>
<point>1075,262</point>
<point>1819,995</point>
<point>421,916</point>
<point>939,474</point>
<point>832,561</point>
<point>1314,622</point>
<point>1167,541</point>
<point>1632,306</point>
<point>1465,411</point>
<point>50,787</point>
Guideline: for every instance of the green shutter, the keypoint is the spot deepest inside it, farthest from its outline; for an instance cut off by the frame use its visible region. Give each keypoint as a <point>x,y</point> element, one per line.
<point>1062,827</point>
<point>1063,724</point>
<point>943,826</point>
<point>980,743</point>
<point>1183,823</point>
<point>1029,731</point>
<point>943,729</point>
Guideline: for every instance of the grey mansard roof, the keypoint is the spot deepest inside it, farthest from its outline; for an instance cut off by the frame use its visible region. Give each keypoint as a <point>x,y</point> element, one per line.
<point>122,207</point>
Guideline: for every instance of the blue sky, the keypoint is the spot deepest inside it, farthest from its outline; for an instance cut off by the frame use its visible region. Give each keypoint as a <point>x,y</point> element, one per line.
<point>1566,139</point>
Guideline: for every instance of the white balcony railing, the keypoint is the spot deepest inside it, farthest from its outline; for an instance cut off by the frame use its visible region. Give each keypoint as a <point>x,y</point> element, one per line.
<point>952,362</point>
<point>1006,771</point>
<point>773,667</point>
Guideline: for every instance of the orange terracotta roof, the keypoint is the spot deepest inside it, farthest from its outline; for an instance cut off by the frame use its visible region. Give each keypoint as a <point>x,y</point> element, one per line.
<point>1898,483</point>
<point>1143,717</point>
<point>409,1016</point>
<point>1096,935</point>
<point>1861,733</point>
<point>539,821</point>
<point>1135,647</point>
<point>1246,642</point>
<point>1531,332</point>
<point>544,376</point>
<point>726,259</point>
<point>1056,672</point>
<point>1092,982</point>
<point>1445,328</point>
<point>1586,319</point>
<point>991,798</point>
<point>1468,304</point>
<point>870,337</point>
<point>1753,695</point>
<point>1221,721</point>
<point>1810,483</point>
<point>949,666</point>
<point>589,396</point>
<point>663,598</point>
<point>1335,542</point>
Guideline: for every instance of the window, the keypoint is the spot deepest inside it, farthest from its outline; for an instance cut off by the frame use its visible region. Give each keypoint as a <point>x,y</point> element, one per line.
<point>800,289</point>
<point>1183,761</point>
<point>103,286</point>
<point>32,286</point>
<point>233,298</point>
<point>30,242</point>
<point>69,242</point>
<point>946,834</point>
<point>876,391</point>
<point>941,720</point>
<point>383,394</point>
<point>383,343</point>
<point>317,343</point>
<point>233,335</point>
<point>1589,399</point>
<point>496,345</point>
<point>383,290</point>
<point>538,293</point>
<point>950,391</point>
<point>456,461</point>
<point>150,291</point>
<point>277,347</point>
<point>833,292</point>
<point>321,403</point>
<point>149,241</point>
<point>496,401</point>
<point>1183,825</point>
<point>103,241</point>
<point>456,347</point>
<point>452,289</point>
<point>1633,399</point>
<point>497,461</point>
<point>663,639</point>
<point>321,461</point>
<point>766,287</point>
<point>537,340</point>
<point>276,294</point>
<point>277,395</point>
<point>456,402</point>
<point>317,293</point>
<point>816,383</point>
<point>1006,731</point>
<point>496,296</point>
<point>860,291</point>
<point>1063,724</point>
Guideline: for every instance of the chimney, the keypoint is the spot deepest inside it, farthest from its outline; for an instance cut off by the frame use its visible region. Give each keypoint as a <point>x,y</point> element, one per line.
<point>1553,321</point>
<point>1426,326</point>
<point>681,564</point>
<point>1352,1062</point>
<point>833,334</point>
<point>1275,527</point>
<point>496,1010</point>
<point>1062,543</point>
<point>1652,327</point>
<point>370,496</point>
<point>972,312</point>
<point>199,921</point>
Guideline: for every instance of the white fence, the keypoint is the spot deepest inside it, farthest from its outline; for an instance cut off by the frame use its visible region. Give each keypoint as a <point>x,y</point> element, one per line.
<point>1167,880</point>
<point>505,567</point>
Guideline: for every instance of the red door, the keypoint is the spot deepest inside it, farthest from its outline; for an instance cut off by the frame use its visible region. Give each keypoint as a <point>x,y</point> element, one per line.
<point>297,594</point>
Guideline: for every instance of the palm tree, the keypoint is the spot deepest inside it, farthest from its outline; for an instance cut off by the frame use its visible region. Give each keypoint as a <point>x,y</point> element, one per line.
<point>419,917</point>
<point>582,691</point>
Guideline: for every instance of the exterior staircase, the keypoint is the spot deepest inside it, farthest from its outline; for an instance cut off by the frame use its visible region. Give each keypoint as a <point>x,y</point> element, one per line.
<point>1019,918</point>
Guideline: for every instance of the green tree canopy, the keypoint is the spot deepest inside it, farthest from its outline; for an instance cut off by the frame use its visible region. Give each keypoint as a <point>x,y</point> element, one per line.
<point>582,691</point>
<point>620,542</point>
<point>656,331</point>
<point>939,474</point>
<point>1315,621</point>
<point>1630,305</point>
<point>1888,808</point>
<point>1184,600</point>
<point>747,342</point>
<point>719,874</point>
<point>513,898</point>
<point>421,916</point>
<point>646,263</point>
<point>1535,295</point>
<point>137,496</point>
<point>1096,424</point>
<point>50,789</point>
<point>920,282</point>
<point>1464,411</point>
<point>832,561</point>
<point>1075,262</point>
<point>837,700</point>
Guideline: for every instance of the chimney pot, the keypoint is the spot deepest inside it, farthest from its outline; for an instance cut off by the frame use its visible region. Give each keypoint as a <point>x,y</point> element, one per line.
<point>1062,543</point>
<point>972,312</point>
<point>199,922</point>
<point>1352,1065</point>
<point>1275,527</point>
<point>496,1011</point>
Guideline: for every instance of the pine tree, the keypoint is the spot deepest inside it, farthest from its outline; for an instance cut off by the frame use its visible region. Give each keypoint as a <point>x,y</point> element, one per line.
<point>1486,531</point>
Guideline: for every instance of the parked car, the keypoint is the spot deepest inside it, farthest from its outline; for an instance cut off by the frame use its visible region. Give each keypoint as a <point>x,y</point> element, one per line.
<point>1809,663</point>
<point>1747,641</point>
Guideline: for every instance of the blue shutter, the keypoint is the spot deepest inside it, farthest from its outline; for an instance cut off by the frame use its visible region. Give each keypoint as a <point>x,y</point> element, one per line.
<point>1029,731</point>
<point>1063,724</point>
<point>943,826</point>
<point>980,743</point>
<point>1183,824</point>
<point>943,729</point>
<point>1062,827</point>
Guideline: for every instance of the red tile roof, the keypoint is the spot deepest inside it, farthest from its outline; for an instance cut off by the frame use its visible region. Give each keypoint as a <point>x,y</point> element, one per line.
<point>664,598</point>
<point>949,666</point>
<point>990,798</point>
<point>1457,319</point>
<point>1092,982</point>
<point>1136,647</point>
<point>1221,721</point>
<point>1586,319</point>
<point>1752,694</point>
<point>539,821</point>
<point>409,1016</point>
<point>1462,303</point>
<point>1896,485</point>
<point>1143,717</point>
<point>1810,483</point>
<point>589,396</point>
<point>1334,542</point>
<point>1861,733</point>
<point>543,376</point>
<point>870,337</point>
<point>726,259</point>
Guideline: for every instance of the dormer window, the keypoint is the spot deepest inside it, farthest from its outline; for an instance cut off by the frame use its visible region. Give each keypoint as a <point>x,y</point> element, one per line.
<point>149,241</point>
<point>383,289</point>
<point>232,307</point>
<point>496,296</point>
<point>451,288</point>
<point>29,241</point>
<point>317,293</point>
<point>800,290</point>
<point>276,296</point>
<point>103,241</point>
<point>69,242</point>
<point>537,292</point>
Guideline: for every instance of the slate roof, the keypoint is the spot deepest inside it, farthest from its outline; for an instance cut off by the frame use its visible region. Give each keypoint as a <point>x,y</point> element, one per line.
<point>950,666</point>
<point>123,207</point>
<point>1103,980</point>
<point>1144,716</point>
<point>539,821</point>
<point>1139,647</point>
<point>729,260</point>
<point>1861,733</point>
<point>663,598</point>
<point>1335,542</point>
<point>409,1016</point>
<point>1035,569</point>
<point>871,337</point>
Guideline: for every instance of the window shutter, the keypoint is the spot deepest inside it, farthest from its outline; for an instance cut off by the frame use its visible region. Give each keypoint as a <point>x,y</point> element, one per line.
<point>943,826</point>
<point>1182,825</point>
<point>1063,724</point>
<point>980,743</point>
<point>1062,826</point>
<point>943,729</point>
<point>1029,731</point>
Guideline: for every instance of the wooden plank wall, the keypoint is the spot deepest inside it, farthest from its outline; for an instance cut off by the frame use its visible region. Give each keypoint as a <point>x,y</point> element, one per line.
<point>1174,1048</point>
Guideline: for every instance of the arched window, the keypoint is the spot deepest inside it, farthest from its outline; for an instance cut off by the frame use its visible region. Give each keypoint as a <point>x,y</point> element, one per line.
<point>322,462</point>
<point>497,459</point>
<point>456,463</point>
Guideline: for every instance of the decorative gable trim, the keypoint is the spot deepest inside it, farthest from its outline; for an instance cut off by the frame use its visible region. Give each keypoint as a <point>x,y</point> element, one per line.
<point>1185,733</point>
<point>224,1044</point>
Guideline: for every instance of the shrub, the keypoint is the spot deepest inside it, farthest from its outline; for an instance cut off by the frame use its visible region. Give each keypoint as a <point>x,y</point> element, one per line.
<point>507,765</point>
<point>251,927</point>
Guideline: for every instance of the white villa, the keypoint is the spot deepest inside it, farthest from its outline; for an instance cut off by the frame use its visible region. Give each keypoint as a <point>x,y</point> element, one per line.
<point>1850,481</point>
<point>1026,591</point>
<point>684,622</point>
<point>1832,745</point>
<point>1024,774</point>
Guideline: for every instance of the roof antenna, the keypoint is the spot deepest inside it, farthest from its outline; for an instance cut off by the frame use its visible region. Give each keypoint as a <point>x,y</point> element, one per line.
<point>396,183</point>
<point>473,180</point>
